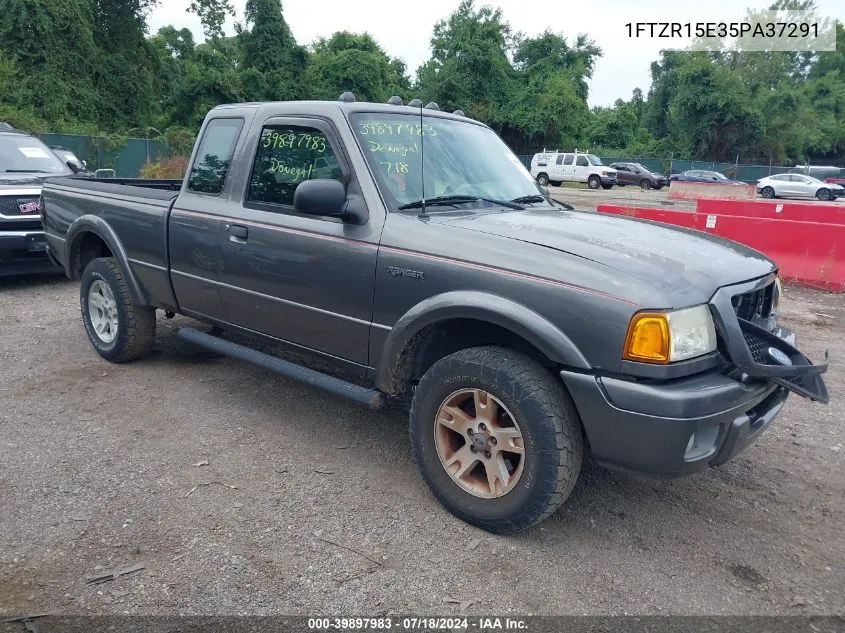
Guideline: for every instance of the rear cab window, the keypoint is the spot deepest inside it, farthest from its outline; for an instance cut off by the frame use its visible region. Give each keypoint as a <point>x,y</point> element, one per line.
<point>214,155</point>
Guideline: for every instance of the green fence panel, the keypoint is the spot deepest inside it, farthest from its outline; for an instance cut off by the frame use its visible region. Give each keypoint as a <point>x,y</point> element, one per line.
<point>126,160</point>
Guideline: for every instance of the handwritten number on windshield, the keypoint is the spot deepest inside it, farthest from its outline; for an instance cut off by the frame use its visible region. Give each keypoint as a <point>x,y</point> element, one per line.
<point>378,128</point>
<point>303,140</point>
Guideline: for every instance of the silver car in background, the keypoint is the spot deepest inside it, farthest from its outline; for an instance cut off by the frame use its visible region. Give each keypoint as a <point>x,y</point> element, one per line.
<point>798,186</point>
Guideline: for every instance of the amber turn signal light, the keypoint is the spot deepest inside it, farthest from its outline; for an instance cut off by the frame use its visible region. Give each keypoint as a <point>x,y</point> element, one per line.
<point>648,339</point>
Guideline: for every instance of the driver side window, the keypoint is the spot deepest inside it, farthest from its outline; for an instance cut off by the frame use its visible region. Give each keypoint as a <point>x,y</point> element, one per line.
<point>286,156</point>
<point>581,161</point>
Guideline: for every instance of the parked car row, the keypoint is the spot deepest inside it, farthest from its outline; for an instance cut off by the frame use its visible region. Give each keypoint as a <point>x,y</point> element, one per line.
<point>556,168</point>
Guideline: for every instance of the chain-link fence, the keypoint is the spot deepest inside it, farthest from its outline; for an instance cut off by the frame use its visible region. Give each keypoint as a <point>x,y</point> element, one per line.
<point>125,156</point>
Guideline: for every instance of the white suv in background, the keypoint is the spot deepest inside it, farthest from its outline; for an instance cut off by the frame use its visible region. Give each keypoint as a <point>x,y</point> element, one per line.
<point>558,167</point>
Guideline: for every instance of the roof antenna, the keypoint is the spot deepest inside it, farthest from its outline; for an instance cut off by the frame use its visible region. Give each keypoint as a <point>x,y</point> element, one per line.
<point>422,164</point>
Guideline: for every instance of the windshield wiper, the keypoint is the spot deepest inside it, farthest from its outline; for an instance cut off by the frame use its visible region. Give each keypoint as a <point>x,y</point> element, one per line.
<point>26,171</point>
<point>452,200</point>
<point>536,197</point>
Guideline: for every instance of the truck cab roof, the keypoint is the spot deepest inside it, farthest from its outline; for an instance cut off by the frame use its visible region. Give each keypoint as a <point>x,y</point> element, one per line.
<point>332,108</point>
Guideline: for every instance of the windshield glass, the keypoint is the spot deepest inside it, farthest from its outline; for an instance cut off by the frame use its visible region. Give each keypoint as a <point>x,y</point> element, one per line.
<point>19,153</point>
<point>461,159</point>
<point>594,160</point>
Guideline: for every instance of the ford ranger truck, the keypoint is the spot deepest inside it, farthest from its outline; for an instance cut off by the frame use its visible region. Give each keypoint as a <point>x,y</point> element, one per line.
<point>409,249</point>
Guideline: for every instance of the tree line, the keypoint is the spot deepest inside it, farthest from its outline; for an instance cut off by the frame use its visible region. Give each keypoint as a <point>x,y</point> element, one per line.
<point>90,66</point>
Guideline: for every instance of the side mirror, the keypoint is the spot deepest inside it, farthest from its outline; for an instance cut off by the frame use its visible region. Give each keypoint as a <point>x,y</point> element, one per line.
<point>85,165</point>
<point>321,196</point>
<point>72,166</point>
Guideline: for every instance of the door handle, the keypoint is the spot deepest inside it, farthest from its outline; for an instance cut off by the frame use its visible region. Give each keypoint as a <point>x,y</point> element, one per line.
<point>237,233</point>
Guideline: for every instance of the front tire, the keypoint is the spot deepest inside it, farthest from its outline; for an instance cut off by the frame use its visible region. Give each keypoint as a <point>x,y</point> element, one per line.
<point>543,180</point>
<point>118,329</point>
<point>496,437</point>
<point>645,183</point>
<point>594,182</point>
<point>823,194</point>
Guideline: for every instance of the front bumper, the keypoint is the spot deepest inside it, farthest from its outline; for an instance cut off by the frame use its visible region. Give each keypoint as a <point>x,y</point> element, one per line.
<point>23,252</point>
<point>647,429</point>
<point>675,427</point>
<point>608,180</point>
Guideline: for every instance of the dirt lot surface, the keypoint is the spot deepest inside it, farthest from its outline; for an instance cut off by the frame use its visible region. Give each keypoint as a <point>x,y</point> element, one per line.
<point>242,492</point>
<point>589,199</point>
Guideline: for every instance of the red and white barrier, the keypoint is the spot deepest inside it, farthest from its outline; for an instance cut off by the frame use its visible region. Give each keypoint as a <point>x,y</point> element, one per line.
<point>703,190</point>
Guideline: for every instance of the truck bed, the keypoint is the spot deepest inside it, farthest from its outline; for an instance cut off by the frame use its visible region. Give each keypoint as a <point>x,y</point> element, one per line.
<point>137,187</point>
<point>136,209</point>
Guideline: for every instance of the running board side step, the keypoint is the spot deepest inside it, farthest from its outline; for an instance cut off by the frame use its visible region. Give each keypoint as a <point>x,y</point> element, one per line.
<point>368,397</point>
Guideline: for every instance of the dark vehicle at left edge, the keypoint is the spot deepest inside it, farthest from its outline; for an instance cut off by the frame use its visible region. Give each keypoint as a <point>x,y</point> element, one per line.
<point>25,162</point>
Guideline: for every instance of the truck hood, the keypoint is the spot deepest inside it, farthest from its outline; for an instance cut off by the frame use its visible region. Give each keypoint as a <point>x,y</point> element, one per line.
<point>684,265</point>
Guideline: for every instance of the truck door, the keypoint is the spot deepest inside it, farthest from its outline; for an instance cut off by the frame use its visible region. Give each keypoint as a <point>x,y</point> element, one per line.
<point>303,279</point>
<point>581,169</point>
<point>195,221</point>
<point>556,168</point>
<point>566,167</point>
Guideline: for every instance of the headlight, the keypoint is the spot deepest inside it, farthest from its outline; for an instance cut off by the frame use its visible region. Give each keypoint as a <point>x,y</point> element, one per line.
<point>667,337</point>
<point>777,293</point>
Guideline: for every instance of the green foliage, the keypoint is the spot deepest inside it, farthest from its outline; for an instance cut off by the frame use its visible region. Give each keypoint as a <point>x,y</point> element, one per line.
<point>354,62</point>
<point>90,67</point>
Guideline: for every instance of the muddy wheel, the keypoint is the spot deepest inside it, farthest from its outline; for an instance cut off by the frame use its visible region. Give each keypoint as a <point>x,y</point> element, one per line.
<point>594,182</point>
<point>543,180</point>
<point>496,437</point>
<point>118,329</point>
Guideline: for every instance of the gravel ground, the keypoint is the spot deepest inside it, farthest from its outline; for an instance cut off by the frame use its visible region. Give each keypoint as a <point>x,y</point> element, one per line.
<point>242,492</point>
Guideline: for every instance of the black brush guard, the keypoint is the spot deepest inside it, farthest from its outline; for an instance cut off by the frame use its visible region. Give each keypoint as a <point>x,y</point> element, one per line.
<point>750,347</point>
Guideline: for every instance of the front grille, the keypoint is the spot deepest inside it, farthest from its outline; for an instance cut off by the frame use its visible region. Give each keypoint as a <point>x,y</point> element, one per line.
<point>760,353</point>
<point>10,206</point>
<point>755,304</point>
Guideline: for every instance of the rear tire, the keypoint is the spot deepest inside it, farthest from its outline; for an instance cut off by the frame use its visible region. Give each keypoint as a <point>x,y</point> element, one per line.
<point>823,194</point>
<point>118,329</point>
<point>502,387</point>
<point>543,180</point>
<point>594,182</point>
<point>767,192</point>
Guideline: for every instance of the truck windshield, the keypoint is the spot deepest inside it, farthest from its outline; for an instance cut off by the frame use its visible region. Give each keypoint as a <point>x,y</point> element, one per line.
<point>462,159</point>
<point>26,154</point>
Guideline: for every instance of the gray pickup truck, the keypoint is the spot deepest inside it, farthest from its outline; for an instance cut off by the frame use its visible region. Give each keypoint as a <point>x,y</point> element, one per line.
<point>410,250</point>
